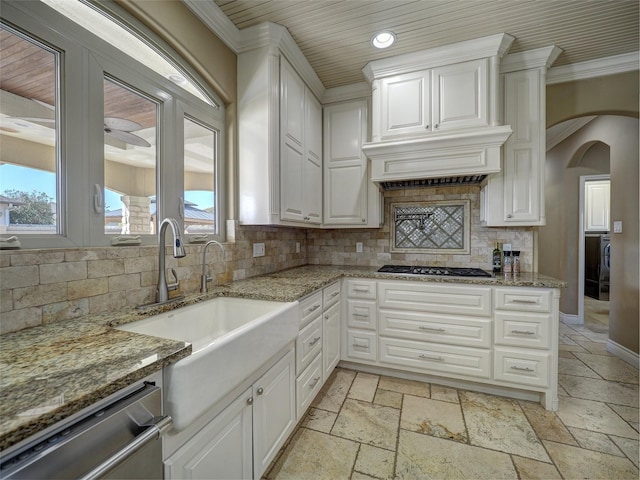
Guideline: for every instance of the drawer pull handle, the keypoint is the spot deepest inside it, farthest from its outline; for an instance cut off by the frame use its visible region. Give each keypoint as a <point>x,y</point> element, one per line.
<point>523,332</point>
<point>363,315</point>
<point>314,341</point>
<point>431,357</point>
<point>361,289</point>
<point>528,302</point>
<point>334,294</point>
<point>431,329</point>
<point>315,382</point>
<point>522,369</point>
<point>313,309</point>
<point>356,345</point>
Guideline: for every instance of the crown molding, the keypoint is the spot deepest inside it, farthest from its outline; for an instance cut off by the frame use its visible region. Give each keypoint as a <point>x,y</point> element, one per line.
<point>540,57</point>
<point>490,46</point>
<point>347,92</point>
<point>211,15</point>
<point>627,62</point>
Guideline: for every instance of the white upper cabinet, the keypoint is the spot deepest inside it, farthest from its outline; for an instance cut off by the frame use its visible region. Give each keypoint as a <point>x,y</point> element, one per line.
<point>443,98</point>
<point>436,113</point>
<point>350,199</point>
<point>300,150</point>
<point>460,95</point>
<point>515,195</point>
<point>405,105</point>
<point>597,195</point>
<point>279,133</point>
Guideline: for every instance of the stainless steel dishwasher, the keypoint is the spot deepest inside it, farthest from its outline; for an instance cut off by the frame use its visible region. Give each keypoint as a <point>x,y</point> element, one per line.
<point>120,440</point>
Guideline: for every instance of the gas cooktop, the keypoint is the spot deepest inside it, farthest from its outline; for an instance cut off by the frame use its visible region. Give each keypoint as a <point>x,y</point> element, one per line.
<point>441,271</point>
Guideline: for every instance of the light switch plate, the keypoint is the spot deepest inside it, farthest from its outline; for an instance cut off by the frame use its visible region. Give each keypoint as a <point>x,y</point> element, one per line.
<point>358,247</point>
<point>617,226</point>
<point>258,249</point>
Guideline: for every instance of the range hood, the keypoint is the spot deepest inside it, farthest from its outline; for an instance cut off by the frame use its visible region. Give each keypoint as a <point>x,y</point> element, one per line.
<point>450,154</point>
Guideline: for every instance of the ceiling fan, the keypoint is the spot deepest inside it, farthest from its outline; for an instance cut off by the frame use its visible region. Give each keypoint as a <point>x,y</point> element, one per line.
<point>118,128</point>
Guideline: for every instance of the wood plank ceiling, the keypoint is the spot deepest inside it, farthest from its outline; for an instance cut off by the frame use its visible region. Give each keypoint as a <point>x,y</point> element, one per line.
<point>334,35</point>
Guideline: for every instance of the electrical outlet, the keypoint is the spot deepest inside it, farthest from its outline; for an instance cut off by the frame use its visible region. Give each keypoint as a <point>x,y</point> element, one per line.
<point>258,249</point>
<point>506,247</point>
<point>297,247</point>
<point>358,247</point>
<point>617,226</point>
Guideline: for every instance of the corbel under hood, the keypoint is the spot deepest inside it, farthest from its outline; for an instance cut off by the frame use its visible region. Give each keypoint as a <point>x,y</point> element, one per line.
<point>463,152</point>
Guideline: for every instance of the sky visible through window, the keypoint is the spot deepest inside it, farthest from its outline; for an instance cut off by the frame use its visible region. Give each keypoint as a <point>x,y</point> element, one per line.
<point>14,177</point>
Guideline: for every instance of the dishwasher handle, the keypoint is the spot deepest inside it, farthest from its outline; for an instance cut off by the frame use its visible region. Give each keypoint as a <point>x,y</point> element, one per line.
<point>155,429</point>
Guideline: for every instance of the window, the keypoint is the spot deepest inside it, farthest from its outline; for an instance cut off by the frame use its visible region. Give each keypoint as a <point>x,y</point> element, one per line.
<point>107,134</point>
<point>28,124</point>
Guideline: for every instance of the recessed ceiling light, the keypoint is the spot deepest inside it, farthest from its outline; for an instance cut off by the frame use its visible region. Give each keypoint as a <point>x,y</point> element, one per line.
<point>383,39</point>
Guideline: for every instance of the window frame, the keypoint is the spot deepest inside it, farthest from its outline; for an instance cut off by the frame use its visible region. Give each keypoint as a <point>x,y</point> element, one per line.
<point>84,61</point>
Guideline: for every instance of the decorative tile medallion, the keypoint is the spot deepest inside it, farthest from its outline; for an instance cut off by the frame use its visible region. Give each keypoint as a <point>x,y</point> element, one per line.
<point>431,227</point>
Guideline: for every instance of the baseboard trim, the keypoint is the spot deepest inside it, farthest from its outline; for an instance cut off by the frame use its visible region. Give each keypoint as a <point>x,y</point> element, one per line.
<point>569,319</point>
<point>623,353</point>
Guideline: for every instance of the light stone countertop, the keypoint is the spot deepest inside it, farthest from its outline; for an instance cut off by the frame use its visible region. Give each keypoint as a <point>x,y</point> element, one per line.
<point>50,372</point>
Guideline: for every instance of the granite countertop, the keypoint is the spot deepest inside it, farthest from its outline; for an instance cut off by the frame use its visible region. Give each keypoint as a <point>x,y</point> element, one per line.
<point>50,372</point>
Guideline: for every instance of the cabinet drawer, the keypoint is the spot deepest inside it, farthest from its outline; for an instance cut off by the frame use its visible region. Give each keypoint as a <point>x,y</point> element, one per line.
<point>310,307</point>
<point>523,299</point>
<point>434,327</point>
<point>362,345</point>
<point>522,329</point>
<point>432,357</point>
<point>308,384</point>
<point>522,367</point>
<point>308,344</point>
<point>330,295</point>
<point>361,289</point>
<point>362,314</point>
<point>425,297</point>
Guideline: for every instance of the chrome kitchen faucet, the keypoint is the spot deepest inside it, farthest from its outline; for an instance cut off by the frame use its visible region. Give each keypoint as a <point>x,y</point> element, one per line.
<point>206,277</point>
<point>162,291</point>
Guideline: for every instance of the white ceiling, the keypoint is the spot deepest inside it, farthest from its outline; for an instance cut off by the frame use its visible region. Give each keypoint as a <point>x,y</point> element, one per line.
<point>334,34</point>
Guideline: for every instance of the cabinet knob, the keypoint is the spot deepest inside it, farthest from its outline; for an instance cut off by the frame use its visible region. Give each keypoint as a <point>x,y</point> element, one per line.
<point>426,127</point>
<point>326,316</point>
<point>250,401</point>
<point>364,220</point>
<point>260,391</point>
<point>509,215</point>
<point>436,126</point>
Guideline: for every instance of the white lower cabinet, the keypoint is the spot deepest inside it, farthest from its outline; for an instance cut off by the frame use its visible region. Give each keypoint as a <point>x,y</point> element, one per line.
<point>331,340</point>
<point>318,344</point>
<point>241,441</point>
<point>504,337</point>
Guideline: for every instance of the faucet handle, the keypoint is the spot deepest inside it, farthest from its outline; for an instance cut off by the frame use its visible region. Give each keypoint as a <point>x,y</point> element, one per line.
<point>173,286</point>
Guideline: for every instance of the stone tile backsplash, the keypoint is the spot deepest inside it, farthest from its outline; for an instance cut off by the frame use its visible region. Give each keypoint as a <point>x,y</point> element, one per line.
<point>49,285</point>
<point>43,286</point>
<point>338,246</point>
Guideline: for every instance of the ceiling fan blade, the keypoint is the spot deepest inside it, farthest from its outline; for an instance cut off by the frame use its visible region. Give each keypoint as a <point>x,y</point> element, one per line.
<point>44,104</point>
<point>36,119</point>
<point>127,137</point>
<point>114,123</point>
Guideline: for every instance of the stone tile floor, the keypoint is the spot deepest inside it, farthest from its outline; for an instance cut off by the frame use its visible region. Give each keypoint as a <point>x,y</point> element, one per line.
<point>364,426</point>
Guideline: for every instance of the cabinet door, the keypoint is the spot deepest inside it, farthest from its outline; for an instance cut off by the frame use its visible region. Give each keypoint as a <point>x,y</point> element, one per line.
<point>346,182</point>
<point>597,197</point>
<point>523,165</point>
<point>221,450</point>
<point>274,412</point>
<point>460,97</point>
<point>331,340</point>
<point>406,106</point>
<point>312,169</point>
<point>292,153</point>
